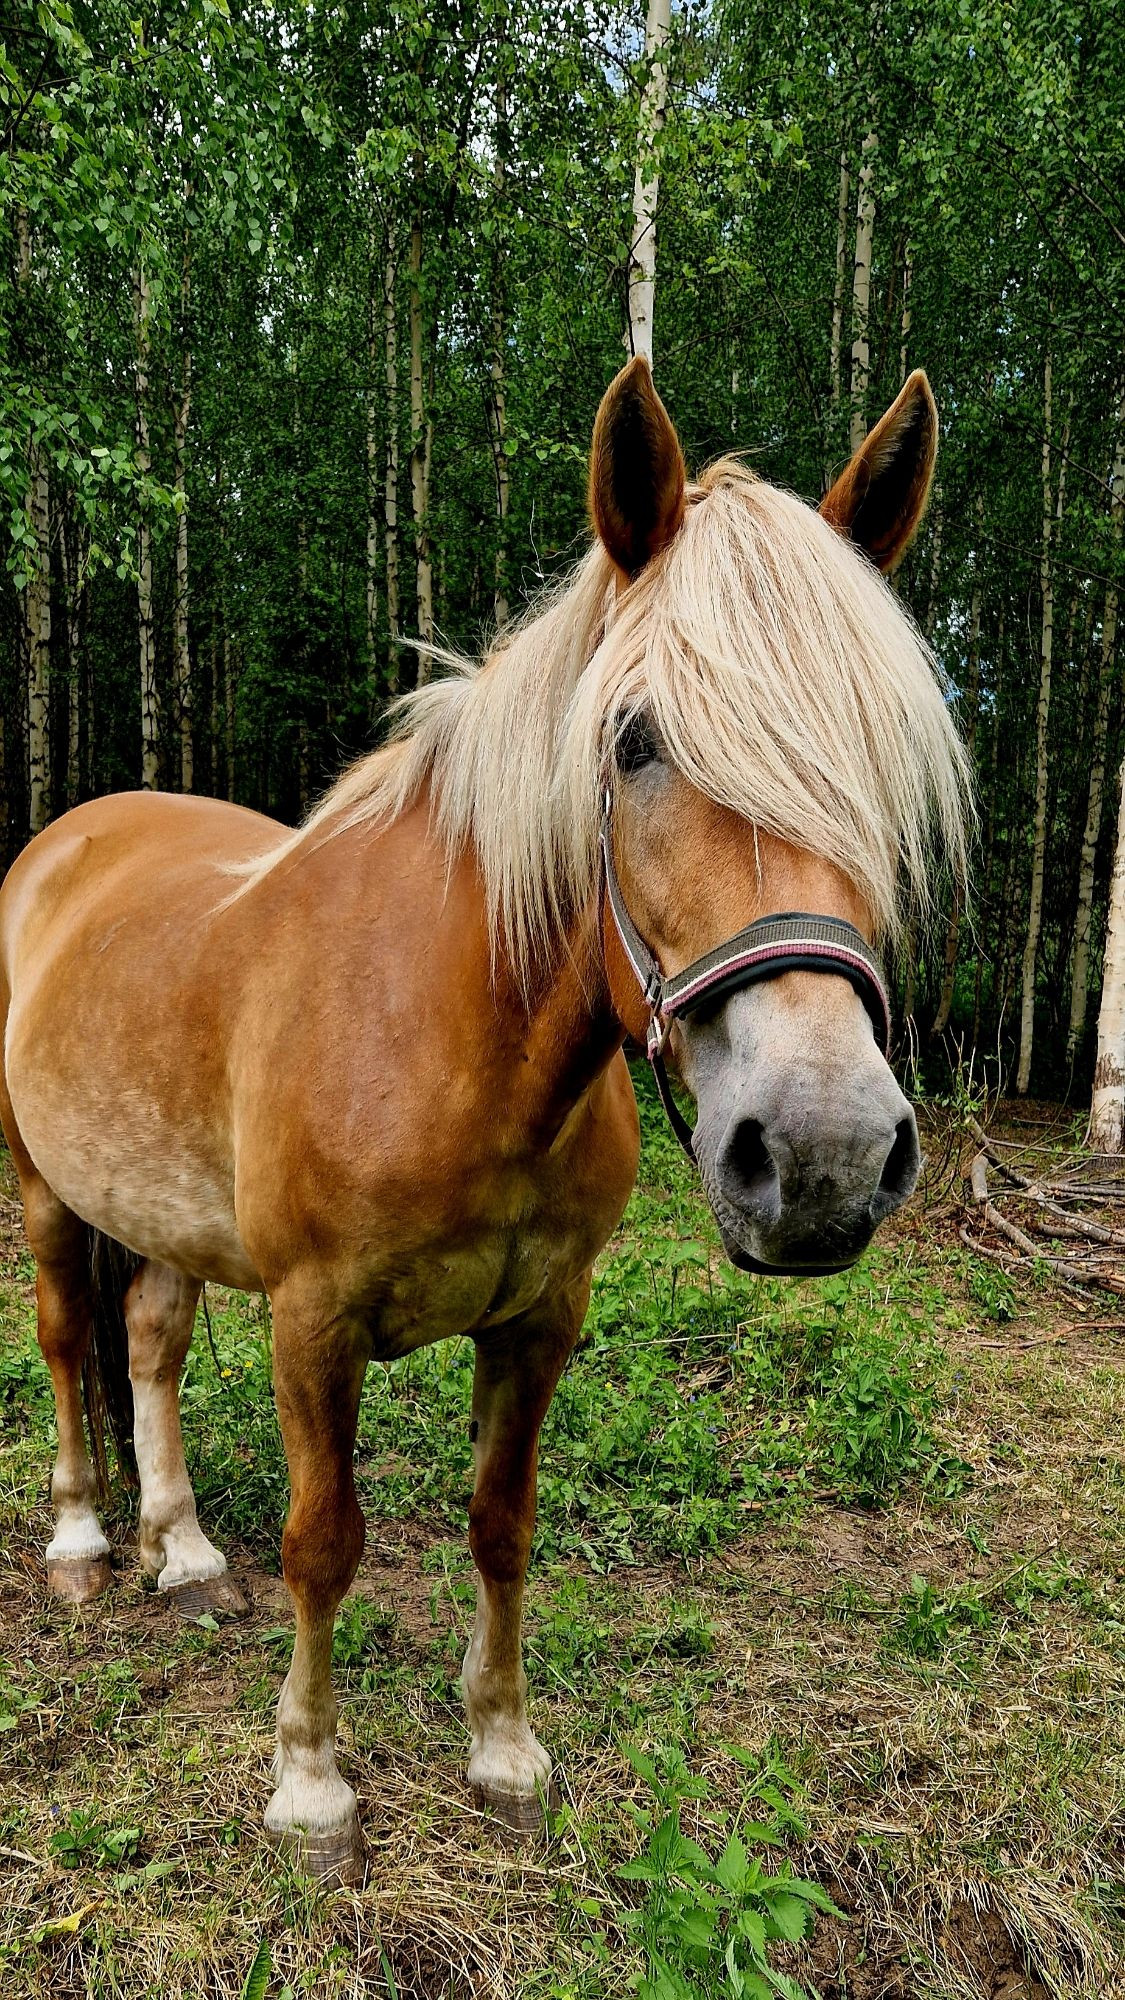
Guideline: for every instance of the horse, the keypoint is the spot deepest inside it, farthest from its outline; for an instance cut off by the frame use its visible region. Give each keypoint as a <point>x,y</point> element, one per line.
<point>374,1067</point>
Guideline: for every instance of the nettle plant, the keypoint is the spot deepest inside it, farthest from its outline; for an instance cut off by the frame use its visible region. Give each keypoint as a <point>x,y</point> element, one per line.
<point>708,1925</point>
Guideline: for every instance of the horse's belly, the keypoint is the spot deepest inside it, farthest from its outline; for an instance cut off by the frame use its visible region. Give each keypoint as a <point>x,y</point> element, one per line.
<point>127,1173</point>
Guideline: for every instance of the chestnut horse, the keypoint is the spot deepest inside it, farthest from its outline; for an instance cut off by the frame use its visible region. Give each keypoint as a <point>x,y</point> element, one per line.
<point>373,1068</point>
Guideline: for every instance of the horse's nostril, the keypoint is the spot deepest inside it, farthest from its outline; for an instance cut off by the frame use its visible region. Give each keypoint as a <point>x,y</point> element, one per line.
<point>752,1164</point>
<point>900,1168</point>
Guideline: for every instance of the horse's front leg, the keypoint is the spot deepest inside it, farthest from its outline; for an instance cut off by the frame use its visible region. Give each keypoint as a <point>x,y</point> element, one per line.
<point>517,1369</point>
<point>319,1364</point>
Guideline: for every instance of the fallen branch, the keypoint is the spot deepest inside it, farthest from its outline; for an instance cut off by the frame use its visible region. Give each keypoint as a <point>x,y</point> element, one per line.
<point>1063,1267</point>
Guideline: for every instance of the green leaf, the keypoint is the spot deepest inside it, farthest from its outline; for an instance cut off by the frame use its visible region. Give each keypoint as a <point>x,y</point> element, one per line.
<point>258,1977</point>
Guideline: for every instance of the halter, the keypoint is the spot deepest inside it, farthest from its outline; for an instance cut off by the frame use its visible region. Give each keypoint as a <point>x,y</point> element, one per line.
<point>790,942</point>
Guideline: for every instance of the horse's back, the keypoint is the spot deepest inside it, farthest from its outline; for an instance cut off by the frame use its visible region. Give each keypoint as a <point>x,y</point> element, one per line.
<point>95,851</point>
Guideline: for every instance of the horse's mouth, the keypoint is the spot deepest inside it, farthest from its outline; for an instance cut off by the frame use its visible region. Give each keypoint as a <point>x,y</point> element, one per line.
<point>743,1261</point>
<point>786,1267</point>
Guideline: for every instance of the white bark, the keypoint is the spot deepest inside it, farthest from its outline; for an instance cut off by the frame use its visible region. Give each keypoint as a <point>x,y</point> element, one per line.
<point>497,372</point>
<point>861,289</point>
<point>228,710</point>
<point>972,707</point>
<point>1106,1130</point>
<point>904,327</point>
<point>39,648</point>
<point>37,599</point>
<point>150,720</point>
<point>1039,847</point>
<point>390,489</point>
<point>646,182</point>
<point>421,444</point>
<point>1080,967</point>
<point>182,650</point>
<point>73,560</point>
<point>834,371</point>
<point>373,480</point>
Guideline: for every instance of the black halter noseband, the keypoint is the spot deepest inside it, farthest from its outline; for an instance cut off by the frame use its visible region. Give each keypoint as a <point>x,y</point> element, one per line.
<point>790,942</point>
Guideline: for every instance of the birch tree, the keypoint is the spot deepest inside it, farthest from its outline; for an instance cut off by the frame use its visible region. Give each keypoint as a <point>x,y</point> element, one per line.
<point>646,180</point>
<point>181,418</point>
<point>1080,965</point>
<point>421,446</point>
<point>375,369</point>
<point>1042,718</point>
<point>835,374</point>
<point>861,288</point>
<point>390,487</point>
<point>1106,1132</point>
<point>497,369</point>
<point>972,708</point>
<point>150,719</point>
<point>37,592</point>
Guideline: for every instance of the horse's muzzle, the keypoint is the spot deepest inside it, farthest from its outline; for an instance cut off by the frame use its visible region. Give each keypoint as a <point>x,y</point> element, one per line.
<point>803,1194</point>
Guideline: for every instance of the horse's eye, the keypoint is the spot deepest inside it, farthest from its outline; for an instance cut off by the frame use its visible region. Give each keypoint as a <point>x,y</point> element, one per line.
<point>637,744</point>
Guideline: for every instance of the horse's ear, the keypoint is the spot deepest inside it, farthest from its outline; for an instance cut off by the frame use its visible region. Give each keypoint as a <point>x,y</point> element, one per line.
<point>637,474</point>
<point>880,498</point>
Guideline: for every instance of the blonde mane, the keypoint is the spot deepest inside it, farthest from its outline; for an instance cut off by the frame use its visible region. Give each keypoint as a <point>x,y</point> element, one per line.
<point>786,679</point>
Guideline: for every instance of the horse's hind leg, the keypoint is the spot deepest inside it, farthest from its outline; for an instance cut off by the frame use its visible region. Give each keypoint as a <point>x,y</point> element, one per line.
<point>160,1314</point>
<point>78,1554</point>
<point>517,1370</point>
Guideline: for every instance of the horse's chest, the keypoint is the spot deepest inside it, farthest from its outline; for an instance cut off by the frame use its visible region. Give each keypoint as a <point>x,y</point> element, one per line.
<point>503,1269</point>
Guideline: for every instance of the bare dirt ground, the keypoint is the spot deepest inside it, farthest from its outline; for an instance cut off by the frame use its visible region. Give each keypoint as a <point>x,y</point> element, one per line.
<point>944,1676</point>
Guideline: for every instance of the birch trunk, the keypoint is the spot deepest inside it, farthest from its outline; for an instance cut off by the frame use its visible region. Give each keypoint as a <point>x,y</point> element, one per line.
<point>182,650</point>
<point>1039,848</point>
<point>1080,968</point>
<point>904,324</point>
<point>937,515</point>
<point>39,648</point>
<point>861,289</point>
<point>37,598</point>
<point>390,490</point>
<point>73,559</point>
<point>150,720</point>
<point>228,710</point>
<point>990,834</point>
<point>972,707</point>
<point>421,443</point>
<point>646,180</point>
<point>835,374</point>
<point>1106,1130</point>
<point>497,371</point>
<point>374,369</point>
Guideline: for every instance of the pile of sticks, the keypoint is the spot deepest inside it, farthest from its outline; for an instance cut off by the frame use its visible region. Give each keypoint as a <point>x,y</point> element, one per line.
<point>1050,1217</point>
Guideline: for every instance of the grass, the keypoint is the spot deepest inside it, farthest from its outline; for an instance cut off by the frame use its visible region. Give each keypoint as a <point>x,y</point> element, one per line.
<point>825,1587</point>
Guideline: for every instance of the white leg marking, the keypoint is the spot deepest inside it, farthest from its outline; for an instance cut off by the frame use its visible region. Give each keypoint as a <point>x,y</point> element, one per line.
<point>77,1536</point>
<point>174,1548</point>
<point>505,1756</point>
<point>160,1310</point>
<point>310,1791</point>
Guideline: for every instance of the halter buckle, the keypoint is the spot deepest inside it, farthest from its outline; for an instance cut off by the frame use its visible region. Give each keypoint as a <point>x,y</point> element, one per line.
<point>659,1029</point>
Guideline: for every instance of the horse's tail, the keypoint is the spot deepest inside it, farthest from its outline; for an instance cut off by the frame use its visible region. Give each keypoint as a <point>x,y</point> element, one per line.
<point>106,1389</point>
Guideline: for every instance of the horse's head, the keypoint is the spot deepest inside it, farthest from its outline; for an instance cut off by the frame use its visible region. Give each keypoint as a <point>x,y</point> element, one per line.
<point>775,741</point>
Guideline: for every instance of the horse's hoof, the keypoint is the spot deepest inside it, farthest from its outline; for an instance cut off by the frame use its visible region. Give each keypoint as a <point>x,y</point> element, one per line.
<point>520,1814</point>
<point>79,1578</point>
<point>218,1595</point>
<point>337,1860</point>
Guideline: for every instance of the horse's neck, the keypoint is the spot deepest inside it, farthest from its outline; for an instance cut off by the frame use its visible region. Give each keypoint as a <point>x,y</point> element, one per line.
<point>573,1031</point>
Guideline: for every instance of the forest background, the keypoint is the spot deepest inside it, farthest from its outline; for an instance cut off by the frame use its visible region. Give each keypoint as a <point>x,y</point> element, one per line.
<point>306,309</point>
